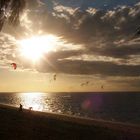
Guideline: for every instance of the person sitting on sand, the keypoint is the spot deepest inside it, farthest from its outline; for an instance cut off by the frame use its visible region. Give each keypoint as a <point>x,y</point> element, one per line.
<point>20,107</point>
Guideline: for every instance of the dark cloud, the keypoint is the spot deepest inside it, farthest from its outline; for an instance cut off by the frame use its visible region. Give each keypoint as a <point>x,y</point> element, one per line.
<point>54,56</point>
<point>117,51</point>
<point>89,67</point>
<point>102,33</point>
<point>86,26</point>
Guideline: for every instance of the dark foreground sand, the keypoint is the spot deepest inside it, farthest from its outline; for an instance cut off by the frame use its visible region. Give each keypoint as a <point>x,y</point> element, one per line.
<point>31,125</point>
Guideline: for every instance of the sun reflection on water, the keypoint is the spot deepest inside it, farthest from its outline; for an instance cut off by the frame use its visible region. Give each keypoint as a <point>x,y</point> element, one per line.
<point>33,99</point>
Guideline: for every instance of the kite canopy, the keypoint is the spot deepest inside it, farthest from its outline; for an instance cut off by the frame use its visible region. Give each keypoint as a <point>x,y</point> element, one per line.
<point>54,77</point>
<point>102,87</point>
<point>14,65</point>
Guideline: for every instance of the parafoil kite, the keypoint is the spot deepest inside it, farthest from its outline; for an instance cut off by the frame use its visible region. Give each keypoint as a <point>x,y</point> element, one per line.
<point>54,77</point>
<point>14,65</point>
<point>102,87</point>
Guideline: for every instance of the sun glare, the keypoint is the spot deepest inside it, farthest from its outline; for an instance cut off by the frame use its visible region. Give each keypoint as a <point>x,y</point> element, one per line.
<point>33,48</point>
<point>33,100</point>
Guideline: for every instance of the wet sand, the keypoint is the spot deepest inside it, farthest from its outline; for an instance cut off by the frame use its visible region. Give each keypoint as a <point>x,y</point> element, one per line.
<point>33,125</point>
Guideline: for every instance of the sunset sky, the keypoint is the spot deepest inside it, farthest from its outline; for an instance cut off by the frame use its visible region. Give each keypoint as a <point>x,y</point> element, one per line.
<point>87,44</point>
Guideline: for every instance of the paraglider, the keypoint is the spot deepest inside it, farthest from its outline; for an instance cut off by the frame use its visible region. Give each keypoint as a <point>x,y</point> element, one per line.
<point>82,84</point>
<point>14,65</point>
<point>102,87</point>
<point>85,84</point>
<point>54,77</point>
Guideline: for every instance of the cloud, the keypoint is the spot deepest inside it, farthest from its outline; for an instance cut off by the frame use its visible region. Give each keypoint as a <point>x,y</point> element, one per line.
<point>89,67</point>
<point>101,33</point>
<point>108,34</point>
<point>64,9</point>
<point>7,48</point>
<point>123,50</point>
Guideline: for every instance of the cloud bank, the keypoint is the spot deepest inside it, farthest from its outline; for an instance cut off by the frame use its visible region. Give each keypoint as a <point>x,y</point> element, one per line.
<point>107,38</point>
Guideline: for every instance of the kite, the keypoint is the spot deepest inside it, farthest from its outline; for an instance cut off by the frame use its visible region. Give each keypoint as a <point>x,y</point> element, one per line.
<point>85,84</point>
<point>54,77</point>
<point>14,65</point>
<point>82,84</point>
<point>102,87</point>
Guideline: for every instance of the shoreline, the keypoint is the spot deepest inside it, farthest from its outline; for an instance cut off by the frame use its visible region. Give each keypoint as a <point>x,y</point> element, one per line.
<point>61,126</point>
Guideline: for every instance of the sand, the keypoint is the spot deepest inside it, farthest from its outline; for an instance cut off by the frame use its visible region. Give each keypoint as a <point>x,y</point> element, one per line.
<point>33,125</point>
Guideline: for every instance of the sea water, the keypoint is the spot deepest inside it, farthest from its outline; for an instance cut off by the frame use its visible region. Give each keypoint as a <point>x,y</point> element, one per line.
<point>113,106</point>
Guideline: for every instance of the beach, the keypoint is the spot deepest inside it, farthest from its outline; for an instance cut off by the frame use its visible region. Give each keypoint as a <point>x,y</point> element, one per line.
<point>35,125</point>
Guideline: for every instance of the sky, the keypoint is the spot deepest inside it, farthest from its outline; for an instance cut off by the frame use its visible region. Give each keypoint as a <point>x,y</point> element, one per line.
<point>89,45</point>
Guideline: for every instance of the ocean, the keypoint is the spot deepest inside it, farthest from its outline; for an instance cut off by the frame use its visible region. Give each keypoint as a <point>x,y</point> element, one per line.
<point>112,106</point>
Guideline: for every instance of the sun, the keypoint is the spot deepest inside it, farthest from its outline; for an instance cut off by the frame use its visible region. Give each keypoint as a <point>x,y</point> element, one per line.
<point>35,47</point>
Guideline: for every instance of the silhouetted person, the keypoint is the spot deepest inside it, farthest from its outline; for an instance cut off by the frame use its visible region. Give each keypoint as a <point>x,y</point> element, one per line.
<point>20,107</point>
